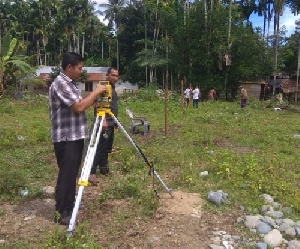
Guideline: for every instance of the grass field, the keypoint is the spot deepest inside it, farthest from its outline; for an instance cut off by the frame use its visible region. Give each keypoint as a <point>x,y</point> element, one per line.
<point>246,152</point>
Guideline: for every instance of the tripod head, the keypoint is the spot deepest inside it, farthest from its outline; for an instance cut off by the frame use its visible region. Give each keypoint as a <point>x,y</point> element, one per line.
<point>104,99</point>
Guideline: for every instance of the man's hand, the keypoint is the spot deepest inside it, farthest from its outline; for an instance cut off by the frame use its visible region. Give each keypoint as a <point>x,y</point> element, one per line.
<point>100,89</point>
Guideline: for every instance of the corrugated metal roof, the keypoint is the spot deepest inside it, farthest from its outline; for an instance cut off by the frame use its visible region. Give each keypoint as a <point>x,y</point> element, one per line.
<point>288,86</point>
<point>96,69</point>
<point>253,82</point>
<point>48,69</point>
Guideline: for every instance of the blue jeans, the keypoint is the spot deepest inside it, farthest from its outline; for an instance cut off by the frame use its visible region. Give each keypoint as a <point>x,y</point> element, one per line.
<point>195,103</point>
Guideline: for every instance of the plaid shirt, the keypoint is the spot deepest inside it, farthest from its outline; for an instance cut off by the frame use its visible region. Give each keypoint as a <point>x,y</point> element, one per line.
<point>66,125</point>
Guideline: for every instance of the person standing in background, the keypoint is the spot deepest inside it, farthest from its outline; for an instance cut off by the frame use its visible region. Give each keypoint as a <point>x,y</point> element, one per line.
<point>107,134</point>
<point>212,94</point>
<point>196,94</point>
<point>243,97</point>
<point>187,95</point>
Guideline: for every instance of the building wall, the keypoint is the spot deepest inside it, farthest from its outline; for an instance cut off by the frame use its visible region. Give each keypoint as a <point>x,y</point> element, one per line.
<point>120,86</point>
<point>253,90</point>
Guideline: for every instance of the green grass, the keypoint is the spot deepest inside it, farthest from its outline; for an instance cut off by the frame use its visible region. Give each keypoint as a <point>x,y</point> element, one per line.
<point>246,152</point>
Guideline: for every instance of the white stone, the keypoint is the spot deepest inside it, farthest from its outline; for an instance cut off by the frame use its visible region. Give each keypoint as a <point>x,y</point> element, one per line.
<point>269,220</point>
<point>290,231</point>
<point>252,221</point>
<point>273,238</point>
<point>212,246</point>
<point>30,217</point>
<point>204,173</point>
<point>289,222</point>
<point>267,198</point>
<point>48,190</point>
<point>294,244</point>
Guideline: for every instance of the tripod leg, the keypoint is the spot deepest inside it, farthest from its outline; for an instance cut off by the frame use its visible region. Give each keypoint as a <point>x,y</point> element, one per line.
<point>86,169</point>
<point>143,156</point>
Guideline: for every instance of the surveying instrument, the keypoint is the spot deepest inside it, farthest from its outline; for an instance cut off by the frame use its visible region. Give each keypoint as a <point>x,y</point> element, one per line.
<point>103,109</point>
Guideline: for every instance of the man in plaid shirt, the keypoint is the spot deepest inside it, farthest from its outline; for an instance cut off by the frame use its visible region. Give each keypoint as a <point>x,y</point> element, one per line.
<point>68,130</point>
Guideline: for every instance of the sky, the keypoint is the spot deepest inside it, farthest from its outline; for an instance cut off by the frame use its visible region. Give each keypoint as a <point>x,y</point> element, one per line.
<point>287,19</point>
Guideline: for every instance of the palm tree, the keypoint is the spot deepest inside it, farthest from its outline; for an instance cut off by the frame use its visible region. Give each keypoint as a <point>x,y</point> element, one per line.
<point>111,14</point>
<point>278,7</point>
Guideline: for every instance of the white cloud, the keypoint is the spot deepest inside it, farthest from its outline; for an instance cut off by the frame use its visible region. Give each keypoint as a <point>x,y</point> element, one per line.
<point>101,1</point>
<point>101,17</point>
<point>287,19</point>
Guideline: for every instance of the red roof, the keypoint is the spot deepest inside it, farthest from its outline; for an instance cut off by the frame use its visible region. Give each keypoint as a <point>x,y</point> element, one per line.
<point>45,76</point>
<point>96,76</point>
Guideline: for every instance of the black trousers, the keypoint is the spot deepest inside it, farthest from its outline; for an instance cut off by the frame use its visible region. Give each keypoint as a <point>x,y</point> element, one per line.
<point>103,148</point>
<point>68,155</point>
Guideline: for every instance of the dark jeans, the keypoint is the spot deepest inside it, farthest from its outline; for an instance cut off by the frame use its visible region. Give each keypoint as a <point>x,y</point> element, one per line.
<point>243,103</point>
<point>195,103</point>
<point>68,155</point>
<point>104,147</point>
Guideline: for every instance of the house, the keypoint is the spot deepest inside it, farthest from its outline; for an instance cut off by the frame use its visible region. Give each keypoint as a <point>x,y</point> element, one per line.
<point>289,89</point>
<point>125,87</point>
<point>95,74</point>
<point>255,88</point>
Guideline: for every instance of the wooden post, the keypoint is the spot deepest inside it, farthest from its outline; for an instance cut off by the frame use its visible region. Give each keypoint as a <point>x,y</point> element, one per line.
<point>191,98</point>
<point>181,96</point>
<point>166,108</point>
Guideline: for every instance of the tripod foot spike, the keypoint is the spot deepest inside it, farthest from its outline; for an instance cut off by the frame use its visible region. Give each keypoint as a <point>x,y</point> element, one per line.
<point>69,234</point>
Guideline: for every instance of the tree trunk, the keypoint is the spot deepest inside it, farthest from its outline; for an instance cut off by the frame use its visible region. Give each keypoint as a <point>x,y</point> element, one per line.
<point>44,47</point>
<point>38,52</point>
<point>228,52</point>
<point>82,46</point>
<point>117,53</point>
<point>276,33</point>
<point>1,84</point>
<point>102,50</point>
<point>298,66</point>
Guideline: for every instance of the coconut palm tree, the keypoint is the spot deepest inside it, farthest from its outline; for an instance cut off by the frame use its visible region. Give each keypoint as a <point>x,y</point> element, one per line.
<point>111,14</point>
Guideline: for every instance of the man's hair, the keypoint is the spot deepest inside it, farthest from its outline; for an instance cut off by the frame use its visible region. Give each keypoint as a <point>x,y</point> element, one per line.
<point>110,69</point>
<point>70,58</point>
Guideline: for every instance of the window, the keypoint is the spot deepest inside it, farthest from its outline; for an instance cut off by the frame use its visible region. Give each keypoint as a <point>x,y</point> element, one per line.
<point>88,86</point>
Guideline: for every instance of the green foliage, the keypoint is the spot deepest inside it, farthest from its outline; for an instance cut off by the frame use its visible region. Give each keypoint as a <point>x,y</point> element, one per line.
<point>82,239</point>
<point>246,153</point>
<point>55,71</point>
<point>24,146</point>
<point>11,62</point>
<point>127,187</point>
<point>147,203</point>
<point>147,40</point>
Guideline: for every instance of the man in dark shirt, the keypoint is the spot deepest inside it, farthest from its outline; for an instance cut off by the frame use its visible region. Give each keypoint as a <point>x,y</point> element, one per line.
<point>107,134</point>
<point>68,130</point>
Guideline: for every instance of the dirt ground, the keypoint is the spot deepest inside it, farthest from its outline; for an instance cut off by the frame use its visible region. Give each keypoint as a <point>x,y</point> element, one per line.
<point>179,222</point>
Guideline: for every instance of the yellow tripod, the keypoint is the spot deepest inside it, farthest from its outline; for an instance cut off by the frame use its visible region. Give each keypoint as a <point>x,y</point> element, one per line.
<point>103,109</point>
